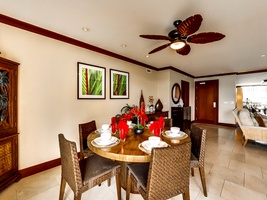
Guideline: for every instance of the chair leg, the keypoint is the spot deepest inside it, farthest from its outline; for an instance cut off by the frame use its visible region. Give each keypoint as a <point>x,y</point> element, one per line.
<point>186,196</point>
<point>128,186</point>
<point>78,197</point>
<point>62,188</point>
<point>203,180</point>
<point>118,184</point>
<point>108,182</point>
<point>192,171</point>
<point>244,140</point>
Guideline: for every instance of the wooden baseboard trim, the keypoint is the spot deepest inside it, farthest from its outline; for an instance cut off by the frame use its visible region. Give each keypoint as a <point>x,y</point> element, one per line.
<point>227,125</point>
<point>39,168</point>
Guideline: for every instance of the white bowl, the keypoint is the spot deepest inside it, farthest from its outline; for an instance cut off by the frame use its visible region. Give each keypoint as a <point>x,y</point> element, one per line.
<point>175,130</point>
<point>154,141</point>
<point>105,136</point>
<point>105,127</point>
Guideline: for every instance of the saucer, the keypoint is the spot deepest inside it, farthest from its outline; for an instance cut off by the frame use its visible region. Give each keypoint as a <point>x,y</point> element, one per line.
<point>100,130</point>
<point>147,146</point>
<point>100,141</point>
<point>169,134</point>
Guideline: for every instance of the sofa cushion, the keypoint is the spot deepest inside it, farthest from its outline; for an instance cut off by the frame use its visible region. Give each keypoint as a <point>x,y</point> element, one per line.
<point>245,118</point>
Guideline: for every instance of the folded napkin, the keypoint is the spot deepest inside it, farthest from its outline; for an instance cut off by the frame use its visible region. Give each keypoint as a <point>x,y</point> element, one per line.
<point>124,129</point>
<point>113,120</point>
<point>155,127</point>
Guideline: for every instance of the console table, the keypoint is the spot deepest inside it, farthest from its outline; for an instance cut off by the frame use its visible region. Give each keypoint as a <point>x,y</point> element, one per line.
<point>152,116</point>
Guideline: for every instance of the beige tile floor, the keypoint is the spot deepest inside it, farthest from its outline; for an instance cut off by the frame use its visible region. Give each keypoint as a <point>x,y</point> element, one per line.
<point>233,172</point>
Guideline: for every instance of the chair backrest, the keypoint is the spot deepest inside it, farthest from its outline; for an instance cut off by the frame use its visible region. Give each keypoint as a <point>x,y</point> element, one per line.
<point>70,167</point>
<point>84,130</point>
<point>169,171</point>
<point>168,123</point>
<point>198,140</point>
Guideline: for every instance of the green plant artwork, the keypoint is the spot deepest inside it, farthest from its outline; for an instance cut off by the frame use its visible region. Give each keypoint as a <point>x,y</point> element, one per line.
<point>91,81</point>
<point>119,84</point>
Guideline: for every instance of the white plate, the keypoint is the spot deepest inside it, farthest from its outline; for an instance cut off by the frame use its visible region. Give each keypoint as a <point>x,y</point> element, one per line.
<point>100,130</point>
<point>100,141</point>
<point>148,147</point>
<point>173,135</point>
<point>132,125</point>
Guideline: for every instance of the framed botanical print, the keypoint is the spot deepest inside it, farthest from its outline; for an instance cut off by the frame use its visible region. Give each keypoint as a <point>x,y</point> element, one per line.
<point>91,81</point>
<point>119,84</point>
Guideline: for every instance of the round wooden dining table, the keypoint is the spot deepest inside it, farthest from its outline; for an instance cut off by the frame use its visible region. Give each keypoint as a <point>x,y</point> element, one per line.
<point>129,151</point>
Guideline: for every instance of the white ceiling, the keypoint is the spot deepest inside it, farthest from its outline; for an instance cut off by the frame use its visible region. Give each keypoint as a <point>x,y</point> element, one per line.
<point>112,23</point>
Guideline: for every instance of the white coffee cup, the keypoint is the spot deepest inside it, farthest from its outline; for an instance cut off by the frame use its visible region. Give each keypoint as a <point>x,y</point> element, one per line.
<point>129,123</point>
<point>154,141</point>
<point>105,136</point>
<point>105,127</point>
<point>175,130</point>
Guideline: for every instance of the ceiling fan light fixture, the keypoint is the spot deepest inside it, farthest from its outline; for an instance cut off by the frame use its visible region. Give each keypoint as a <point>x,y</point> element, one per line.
<point>177,44</point>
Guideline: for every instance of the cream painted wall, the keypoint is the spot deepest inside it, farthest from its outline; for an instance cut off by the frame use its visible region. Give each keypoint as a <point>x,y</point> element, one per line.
<point>176,78</point>
<point>47,91</point>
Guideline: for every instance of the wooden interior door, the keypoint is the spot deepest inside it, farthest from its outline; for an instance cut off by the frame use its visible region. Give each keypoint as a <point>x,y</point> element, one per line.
<point>206,101</point>
<point>185,92</point>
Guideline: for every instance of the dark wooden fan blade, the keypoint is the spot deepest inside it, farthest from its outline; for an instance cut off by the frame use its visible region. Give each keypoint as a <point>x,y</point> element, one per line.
<point>155,37</point>
<point>159,48</point>
<point>185,50</point>
<point>190,25</point>
<point>202,38</point>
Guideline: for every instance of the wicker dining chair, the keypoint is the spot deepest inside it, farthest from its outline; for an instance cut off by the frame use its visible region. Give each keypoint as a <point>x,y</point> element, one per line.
<point>198,140</point>
<point>168,123</point>
<point>84,174</point>
<point>166,176</point>
<point>84,130</point>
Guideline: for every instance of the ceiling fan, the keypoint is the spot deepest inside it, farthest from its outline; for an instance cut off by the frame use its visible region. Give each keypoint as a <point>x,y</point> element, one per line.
<point>182,35</point>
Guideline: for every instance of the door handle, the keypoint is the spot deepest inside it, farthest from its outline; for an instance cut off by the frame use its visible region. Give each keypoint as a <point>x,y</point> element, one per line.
<point>214,104</point>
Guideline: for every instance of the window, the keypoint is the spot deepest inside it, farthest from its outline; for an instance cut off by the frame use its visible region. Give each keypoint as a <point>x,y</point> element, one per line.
<point>255,95</point>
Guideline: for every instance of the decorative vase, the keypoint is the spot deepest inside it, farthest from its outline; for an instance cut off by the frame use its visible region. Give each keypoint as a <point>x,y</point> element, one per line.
<point>141,100</point>
<point>158,106</point>
<point>138,130</point>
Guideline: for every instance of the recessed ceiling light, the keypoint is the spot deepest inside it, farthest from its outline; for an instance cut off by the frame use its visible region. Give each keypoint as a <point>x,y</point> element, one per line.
<point>123,45</point>
<point>147,55</point>
<point>263,55</point>
<point>85,29</point>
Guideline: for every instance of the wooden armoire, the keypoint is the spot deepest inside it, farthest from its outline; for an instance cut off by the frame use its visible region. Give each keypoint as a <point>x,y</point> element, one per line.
<point>8,123</point>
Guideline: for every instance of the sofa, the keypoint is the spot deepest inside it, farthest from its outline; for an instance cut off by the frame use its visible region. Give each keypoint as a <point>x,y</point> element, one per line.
<point>253,125</point>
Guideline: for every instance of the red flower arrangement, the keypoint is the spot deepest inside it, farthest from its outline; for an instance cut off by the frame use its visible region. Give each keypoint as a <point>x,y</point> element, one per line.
<point>140,115</point>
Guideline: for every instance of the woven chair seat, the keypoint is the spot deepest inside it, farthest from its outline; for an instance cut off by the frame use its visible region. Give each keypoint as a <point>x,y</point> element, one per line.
<point>95,167</point>
<point>141,172</point>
